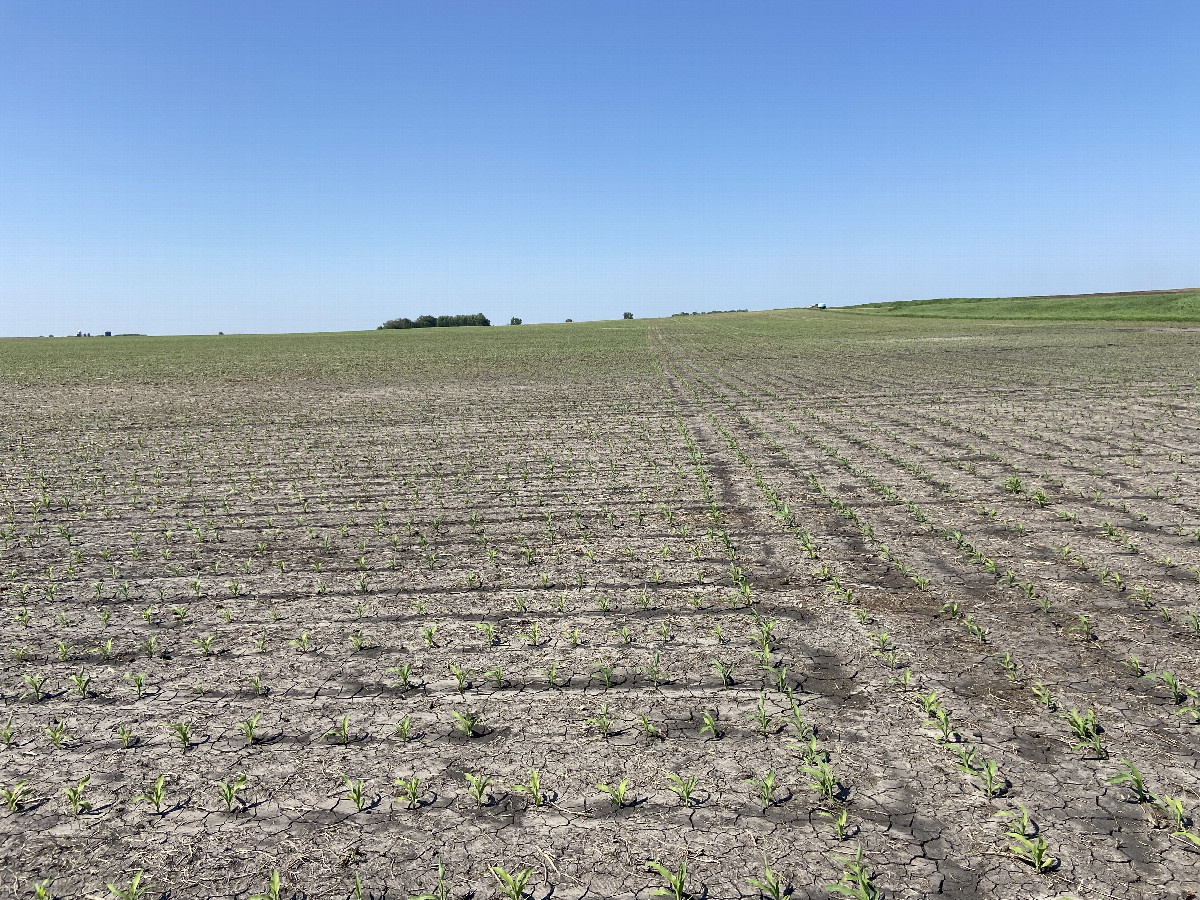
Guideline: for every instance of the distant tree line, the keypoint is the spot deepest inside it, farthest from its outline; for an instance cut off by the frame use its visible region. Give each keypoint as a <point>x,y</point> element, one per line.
<point>436,321</point>
<point>711,312</point>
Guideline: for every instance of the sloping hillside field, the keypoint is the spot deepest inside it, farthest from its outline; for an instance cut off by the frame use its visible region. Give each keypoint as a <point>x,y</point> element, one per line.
<point>903,607</point>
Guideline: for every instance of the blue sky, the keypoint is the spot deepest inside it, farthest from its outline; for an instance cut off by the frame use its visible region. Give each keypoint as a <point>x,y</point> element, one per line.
<point>195,167</point>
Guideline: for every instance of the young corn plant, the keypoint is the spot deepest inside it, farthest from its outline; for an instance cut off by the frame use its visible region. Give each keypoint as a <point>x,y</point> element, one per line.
<point>616,793</point>
<point>1133,778</point>
<point>466,723</point>
<point>770,885</point>
<point>1087,732</point>
<point>75,799</point>
<point>711,727</point>
<point>249,727</point>
<point>273,890</point>
<point>441,892</point>
<point>724,672</point>
<point>182,732</point>
<point>1034,851</point>
<point>340,731</point>
<point>228,791</point>
<point>822,780</point>
<point>602,722</point>
<point>856,882</point>
<point>764,788</point>
<point>761,716</point>
<point>14,797</point>
<point>674,880</point>
<point>135,890</point>
<point>681,787</point>
<point>356,792</point>
<point>1171,808</point>
<point>403,728</point>
<point>479,787</point>
<point>532,788</point>
<point>410,790</point>
<point>839,820</point>
<point>58,733</point>
<point>156,794</point>
<point>512,885</point>
<point>993,782</point>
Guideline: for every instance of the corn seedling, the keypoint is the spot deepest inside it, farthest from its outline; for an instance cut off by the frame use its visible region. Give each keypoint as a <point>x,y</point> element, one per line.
<point>74,796</point>
<point>770,885</point>
<point>615,794</point>
<point>993,782</point>
<point>441,892</point>
<point>1082,627</point>
<point>764,788</point>
<point>1172,809</point>
<point>479,785</point>
<point>822,779</point>
<point>532,788</point>
<point>601,721</point>
<point>966,757</point>
<point>711,726</point>
<point>1018,822</point>
<point>410,790</point>
<point>466,722</point>
<point>941,721</point>
<point>760,715</point>
<point>303,643</point>
<point>1133,778</point>
<point>512,886</point>
<point>273,890</point>
<point>228,791</point>
<point>838,820</point>
<point>356,792</point>
<point>681,787</point>
<point>605,674</point>
<point>182,732</point>
<point>675,880</point>
<point>724,672</point>
<point>135,890</point>
<point>36,682</point>
<point>14,797</point>
<point>402,729</point>
<point>1173,684</point>
<point>856,882</point>
<point>8,734</point>
<point>340,731</point>
<point>58,733</point>
<point>1034,851</point>
<point>156,794</point>
<point>404,673</point>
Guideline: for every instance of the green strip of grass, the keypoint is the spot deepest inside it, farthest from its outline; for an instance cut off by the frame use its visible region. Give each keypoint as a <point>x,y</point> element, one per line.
<point>1164,306</point>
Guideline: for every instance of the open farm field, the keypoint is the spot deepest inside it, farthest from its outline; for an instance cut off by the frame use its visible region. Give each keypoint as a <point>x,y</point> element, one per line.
<point>906,607</point>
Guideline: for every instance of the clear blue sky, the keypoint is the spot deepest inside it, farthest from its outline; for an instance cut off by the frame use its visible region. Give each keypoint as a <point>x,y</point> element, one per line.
<point>194,167</point>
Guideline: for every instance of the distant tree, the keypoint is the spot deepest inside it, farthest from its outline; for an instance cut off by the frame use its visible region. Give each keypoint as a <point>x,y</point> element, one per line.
<point>515,320</point>
<point>437,321</point>
<point>626,315</point>
<point>570,320</point>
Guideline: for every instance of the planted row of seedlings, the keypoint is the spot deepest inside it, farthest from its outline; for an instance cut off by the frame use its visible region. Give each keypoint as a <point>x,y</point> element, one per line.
<point>1166,802</point>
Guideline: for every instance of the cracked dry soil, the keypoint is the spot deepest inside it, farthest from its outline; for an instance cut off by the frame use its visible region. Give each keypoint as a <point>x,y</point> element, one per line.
<point>326,613</point>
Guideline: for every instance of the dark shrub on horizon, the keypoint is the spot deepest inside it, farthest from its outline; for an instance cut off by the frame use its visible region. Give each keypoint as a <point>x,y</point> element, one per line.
<point>436,322</point>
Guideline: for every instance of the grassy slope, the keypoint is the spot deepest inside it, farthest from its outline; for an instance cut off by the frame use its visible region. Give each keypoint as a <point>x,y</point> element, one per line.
<point>1166,306</point>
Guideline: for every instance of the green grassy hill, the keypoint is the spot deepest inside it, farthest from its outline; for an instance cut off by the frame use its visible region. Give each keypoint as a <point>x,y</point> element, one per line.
<point>1142,306</point>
